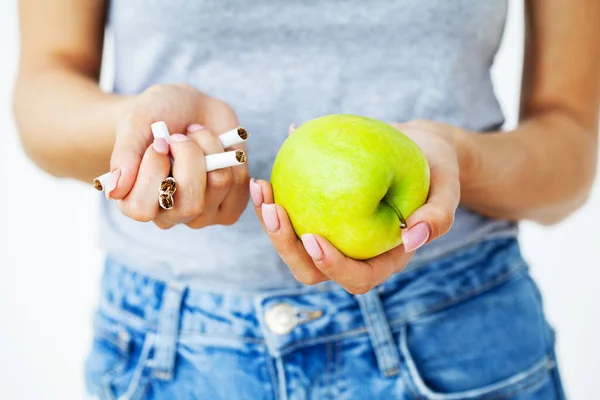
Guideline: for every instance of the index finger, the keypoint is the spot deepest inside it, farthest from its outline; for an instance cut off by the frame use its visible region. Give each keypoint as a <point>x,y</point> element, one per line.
<point>284,239</point>
<point>133,136</point>
<point>436,216</point>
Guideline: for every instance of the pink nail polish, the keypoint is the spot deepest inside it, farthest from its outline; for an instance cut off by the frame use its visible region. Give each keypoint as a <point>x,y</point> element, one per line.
<point>113,180</point>
<point>161,146</point>
<point>415,237</point>
<point>255,193</point>
<point>177,137</point>
<point>270,217</point>
<point>312,247</point>
<point>194,128</point>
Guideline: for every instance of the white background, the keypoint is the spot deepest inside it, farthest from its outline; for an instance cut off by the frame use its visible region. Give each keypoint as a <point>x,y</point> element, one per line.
<point>50,263</point>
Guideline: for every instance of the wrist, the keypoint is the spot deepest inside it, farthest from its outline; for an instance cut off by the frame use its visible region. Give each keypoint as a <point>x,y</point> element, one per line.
<point>465,144</point>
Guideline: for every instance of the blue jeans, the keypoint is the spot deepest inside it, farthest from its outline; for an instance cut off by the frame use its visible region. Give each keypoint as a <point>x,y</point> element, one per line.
<point>467,326</point>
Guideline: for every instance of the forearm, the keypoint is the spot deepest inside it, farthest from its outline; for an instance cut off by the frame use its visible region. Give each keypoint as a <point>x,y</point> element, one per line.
<point>541,171</point>
<point>66,122</point>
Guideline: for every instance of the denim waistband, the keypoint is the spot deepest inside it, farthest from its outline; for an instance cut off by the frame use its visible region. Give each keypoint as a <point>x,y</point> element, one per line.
<point>324,311</point>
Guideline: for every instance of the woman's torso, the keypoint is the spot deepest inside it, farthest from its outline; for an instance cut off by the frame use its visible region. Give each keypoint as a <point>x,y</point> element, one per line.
<point>278,63</point>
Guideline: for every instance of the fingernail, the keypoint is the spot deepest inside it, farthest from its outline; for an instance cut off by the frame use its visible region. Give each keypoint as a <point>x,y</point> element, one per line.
<point>270,218</point>
<point>178,137</point>
<point>415,237</point>
<point>161,146</point>
<point>255,193</point>
<point>312,246</point>
<point>112,182</point>
<point>194,127</point>
<point>292,128</point>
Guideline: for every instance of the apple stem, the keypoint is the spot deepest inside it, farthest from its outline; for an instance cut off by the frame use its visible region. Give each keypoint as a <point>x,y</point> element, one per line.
<point>403,224</point>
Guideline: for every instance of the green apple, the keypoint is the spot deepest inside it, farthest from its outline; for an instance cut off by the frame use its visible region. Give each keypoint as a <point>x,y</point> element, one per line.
<point>351,179</point>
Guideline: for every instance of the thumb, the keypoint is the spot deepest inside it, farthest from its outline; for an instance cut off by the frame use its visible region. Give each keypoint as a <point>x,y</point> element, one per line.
<point>132,139</point>
<point>435,218</point>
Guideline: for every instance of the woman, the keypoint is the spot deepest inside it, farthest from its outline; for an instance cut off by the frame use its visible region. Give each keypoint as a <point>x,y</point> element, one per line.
<point>201,302</point>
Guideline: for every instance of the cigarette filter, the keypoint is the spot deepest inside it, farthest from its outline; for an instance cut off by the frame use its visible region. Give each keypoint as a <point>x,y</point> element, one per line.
<point>160,130</point>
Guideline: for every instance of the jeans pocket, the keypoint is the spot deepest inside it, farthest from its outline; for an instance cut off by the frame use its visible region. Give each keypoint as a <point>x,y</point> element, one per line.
<point>491,346</point>
<point>114,366</point>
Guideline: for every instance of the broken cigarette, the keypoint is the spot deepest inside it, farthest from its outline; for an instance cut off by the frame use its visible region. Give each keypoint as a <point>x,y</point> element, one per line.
<point>213,161</point>
<point>224,160</point>
<point>101,181</point>
<point>165,201</point>
<point>169,186</point>
<point>235,136</point>
<point>167,189</point>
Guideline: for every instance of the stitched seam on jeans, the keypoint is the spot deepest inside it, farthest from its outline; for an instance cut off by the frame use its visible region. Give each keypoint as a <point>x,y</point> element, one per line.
<point>495,391</point>
<point>537,298</point>
<point>328,370</point>
<point>138,376</point>
<point>120,348</point>
<point>117,315</point>
<point>373,336</point>
<point>130,320</point>
<point>283,392</point>
<point>109,376</point>
<point>273,374</point>
<point>380,340</point>
<point>142,389</point>
<point>322,339</point>
<point>537,377</point>
<point>338,367</point>
<point>409,385</point>
<point>191,336</point>
<point>437,307</point>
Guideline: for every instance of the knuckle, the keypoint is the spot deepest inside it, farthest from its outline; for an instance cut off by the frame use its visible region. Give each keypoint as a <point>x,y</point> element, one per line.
<point>197,223</point>
<point>191,209</point>
<point>222,106</point>
<point>360,288</point>
<point>228,219</point>
<point>155,88</point>
<point>311,278</point>
<point>241,177</point>
<point>202,135</point>
<point>220,180</point>
<point>184,86</point>
<point>163,225</point>
<point>442,221</point>
<point>139,212</point>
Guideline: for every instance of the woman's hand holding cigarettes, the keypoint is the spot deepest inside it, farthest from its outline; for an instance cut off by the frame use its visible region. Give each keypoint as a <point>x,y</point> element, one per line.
<point>208,192</point>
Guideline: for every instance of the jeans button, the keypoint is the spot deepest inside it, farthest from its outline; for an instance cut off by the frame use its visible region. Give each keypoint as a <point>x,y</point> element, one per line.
<point>281,319</point>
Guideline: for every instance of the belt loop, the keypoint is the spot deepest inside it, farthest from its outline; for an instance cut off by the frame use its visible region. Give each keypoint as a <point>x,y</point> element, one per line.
<point>380,333</point>
<point>165,345</point>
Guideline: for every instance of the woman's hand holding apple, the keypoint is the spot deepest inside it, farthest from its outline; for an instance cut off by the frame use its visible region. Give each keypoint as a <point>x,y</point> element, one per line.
<point>313,259</point>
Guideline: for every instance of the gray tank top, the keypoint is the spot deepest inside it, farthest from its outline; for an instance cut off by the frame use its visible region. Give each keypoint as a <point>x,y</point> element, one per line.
<point>279,62</point>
